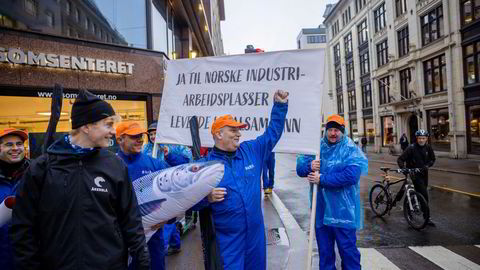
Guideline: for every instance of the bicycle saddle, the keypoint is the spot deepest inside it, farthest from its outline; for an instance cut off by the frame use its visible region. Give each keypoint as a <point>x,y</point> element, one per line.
<point>385,169</point>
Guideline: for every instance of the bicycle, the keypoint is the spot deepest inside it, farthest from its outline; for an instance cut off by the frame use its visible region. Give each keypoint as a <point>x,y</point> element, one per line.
<point>415,207</point>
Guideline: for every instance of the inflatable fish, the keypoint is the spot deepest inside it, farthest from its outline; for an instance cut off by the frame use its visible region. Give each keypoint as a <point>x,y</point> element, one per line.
<point>168,193</point>
<point>6,210</point>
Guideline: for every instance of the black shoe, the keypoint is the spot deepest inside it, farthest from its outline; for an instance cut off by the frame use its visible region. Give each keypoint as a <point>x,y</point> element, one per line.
<point>172,251</point>
<point>430,223</point>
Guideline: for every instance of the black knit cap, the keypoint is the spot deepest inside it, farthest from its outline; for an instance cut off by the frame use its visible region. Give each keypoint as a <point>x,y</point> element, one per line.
<point>88,108</point>
<point>333,124</point>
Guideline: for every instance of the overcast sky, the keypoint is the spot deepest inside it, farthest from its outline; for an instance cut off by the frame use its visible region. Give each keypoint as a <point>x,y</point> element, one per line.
<point>272,25</point>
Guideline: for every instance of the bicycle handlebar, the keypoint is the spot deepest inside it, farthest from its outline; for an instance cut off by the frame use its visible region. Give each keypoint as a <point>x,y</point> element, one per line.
<point>409,171</point>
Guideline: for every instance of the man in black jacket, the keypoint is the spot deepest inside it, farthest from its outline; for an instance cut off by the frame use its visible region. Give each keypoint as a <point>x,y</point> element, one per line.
<point>76,208</point>
<point>419,155</point>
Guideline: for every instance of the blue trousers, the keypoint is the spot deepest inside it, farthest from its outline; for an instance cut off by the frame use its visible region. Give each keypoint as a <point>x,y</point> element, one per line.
<point>268,171</point>
<point>156,250</point>
<point>171,236</point>
<point>347,247</point>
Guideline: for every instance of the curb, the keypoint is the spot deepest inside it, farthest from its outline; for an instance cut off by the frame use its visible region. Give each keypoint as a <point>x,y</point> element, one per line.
<point>431,168</point>
<point>298,248</point>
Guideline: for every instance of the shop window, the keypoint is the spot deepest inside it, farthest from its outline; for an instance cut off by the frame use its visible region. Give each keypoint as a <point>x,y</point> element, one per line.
<point>474,129</point>
<point>34,113</point>
<point>438,127</point>
<point>471,63</point>
<point>387,130</point>
<point>369,130</point>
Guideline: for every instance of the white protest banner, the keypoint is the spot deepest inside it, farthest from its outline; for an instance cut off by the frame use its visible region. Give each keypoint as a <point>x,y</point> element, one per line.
<point>243,86</point>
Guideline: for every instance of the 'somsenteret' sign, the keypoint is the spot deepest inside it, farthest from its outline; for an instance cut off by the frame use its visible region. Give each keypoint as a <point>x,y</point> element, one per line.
<point>244,85</point>
<point>18,56</point>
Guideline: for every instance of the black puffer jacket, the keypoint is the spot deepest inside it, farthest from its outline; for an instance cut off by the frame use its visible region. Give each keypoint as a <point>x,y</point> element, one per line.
<point>416,156</point>
<point>77,212</point>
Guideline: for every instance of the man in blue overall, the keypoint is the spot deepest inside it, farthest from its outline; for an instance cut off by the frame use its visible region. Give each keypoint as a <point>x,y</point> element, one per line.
<point>129,136</point>
<point>236,202</point>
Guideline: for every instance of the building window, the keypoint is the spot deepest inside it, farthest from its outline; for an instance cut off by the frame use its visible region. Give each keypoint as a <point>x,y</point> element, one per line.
<point>335,28</point>
<point>338,77</point>
<point>339,102</point>
<point>350,72</point>
<point>369,130</point>
<point>87,23</point>
<point>50,18</point>
<point>384,90</point>
<point>438,127</point>
<point>400,7</point>
<point>432,25</point>
<point>470,11</point>
<point>367,95</point>
<point>435,75</point>
<point>352,103</point>
<point>387,130</point>
<point>346,16</point>
<point>336,53</point>
<point>31,7</point>
<point>77,15</point>
<point>379,17</point>
<point>313,39</point>
<point>405,78</point>
<point>348,44</point>
<point>473,127</point>
<point>364,63</point>
<point>382,53</point>
<point>403,42</point>
<point>68,7</point>
<point>359,4</point>
<point>362,32</point>
<point>471,63</point>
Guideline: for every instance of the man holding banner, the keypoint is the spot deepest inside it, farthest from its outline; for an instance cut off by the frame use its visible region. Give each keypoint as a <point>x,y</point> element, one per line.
<point>339,212</point>
<point>236,202</point>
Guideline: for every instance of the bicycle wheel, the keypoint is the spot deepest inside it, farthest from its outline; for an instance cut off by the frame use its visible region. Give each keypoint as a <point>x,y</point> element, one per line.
<point>417,216</point>
<point>379,200</point>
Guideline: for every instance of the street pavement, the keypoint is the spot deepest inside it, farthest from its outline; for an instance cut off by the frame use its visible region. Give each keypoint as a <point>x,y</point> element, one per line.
<point>385,243</point>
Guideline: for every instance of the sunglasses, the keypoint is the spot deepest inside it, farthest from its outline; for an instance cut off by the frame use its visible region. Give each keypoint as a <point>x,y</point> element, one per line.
<point>136,137</point>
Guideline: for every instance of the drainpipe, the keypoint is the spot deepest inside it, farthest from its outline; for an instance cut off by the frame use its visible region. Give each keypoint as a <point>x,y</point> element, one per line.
<point>451,95</point>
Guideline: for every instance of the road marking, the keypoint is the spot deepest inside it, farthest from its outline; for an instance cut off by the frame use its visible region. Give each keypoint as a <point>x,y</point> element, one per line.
<point>445,258</point>
<point>372,259</point>
<point>457,191</point>
<point>477,246</point>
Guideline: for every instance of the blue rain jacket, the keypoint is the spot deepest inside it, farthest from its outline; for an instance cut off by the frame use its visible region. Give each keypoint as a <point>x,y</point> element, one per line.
<point>7,188</point>
<point>338,198</point>
<point>182,154</point>
<point>238,219</point>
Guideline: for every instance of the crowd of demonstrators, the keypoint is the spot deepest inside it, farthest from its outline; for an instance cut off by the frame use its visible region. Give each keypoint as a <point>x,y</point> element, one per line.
<point>13,164</point>
<point>339,213</point>
<point>419,155</point>
<point>268,173</point>
<point>75,205</point>
<point>236,202</point>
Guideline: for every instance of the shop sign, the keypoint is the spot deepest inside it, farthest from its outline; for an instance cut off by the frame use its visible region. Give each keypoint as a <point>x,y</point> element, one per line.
<point>18,56</point>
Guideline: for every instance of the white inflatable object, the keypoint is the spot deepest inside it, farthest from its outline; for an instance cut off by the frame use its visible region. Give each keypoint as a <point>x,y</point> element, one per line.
<point>6,210</point>
<point>168,193</point>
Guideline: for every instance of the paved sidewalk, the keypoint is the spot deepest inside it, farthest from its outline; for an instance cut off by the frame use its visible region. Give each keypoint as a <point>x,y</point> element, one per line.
<point>452,175</point>
<point>461,166</point>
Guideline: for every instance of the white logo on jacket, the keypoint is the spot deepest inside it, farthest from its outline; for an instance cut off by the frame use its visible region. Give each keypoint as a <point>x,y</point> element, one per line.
<point>98,180</point>
<point>249,167</point>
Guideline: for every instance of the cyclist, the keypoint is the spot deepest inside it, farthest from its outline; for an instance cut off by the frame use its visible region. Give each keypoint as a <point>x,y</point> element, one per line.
<point>419,155</point>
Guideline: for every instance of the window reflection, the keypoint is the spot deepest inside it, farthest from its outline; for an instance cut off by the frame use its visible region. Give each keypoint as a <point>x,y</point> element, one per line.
<point>439,127</point>
<point>474,128</point>
<point>369,130</point>
<point>387,130</point>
